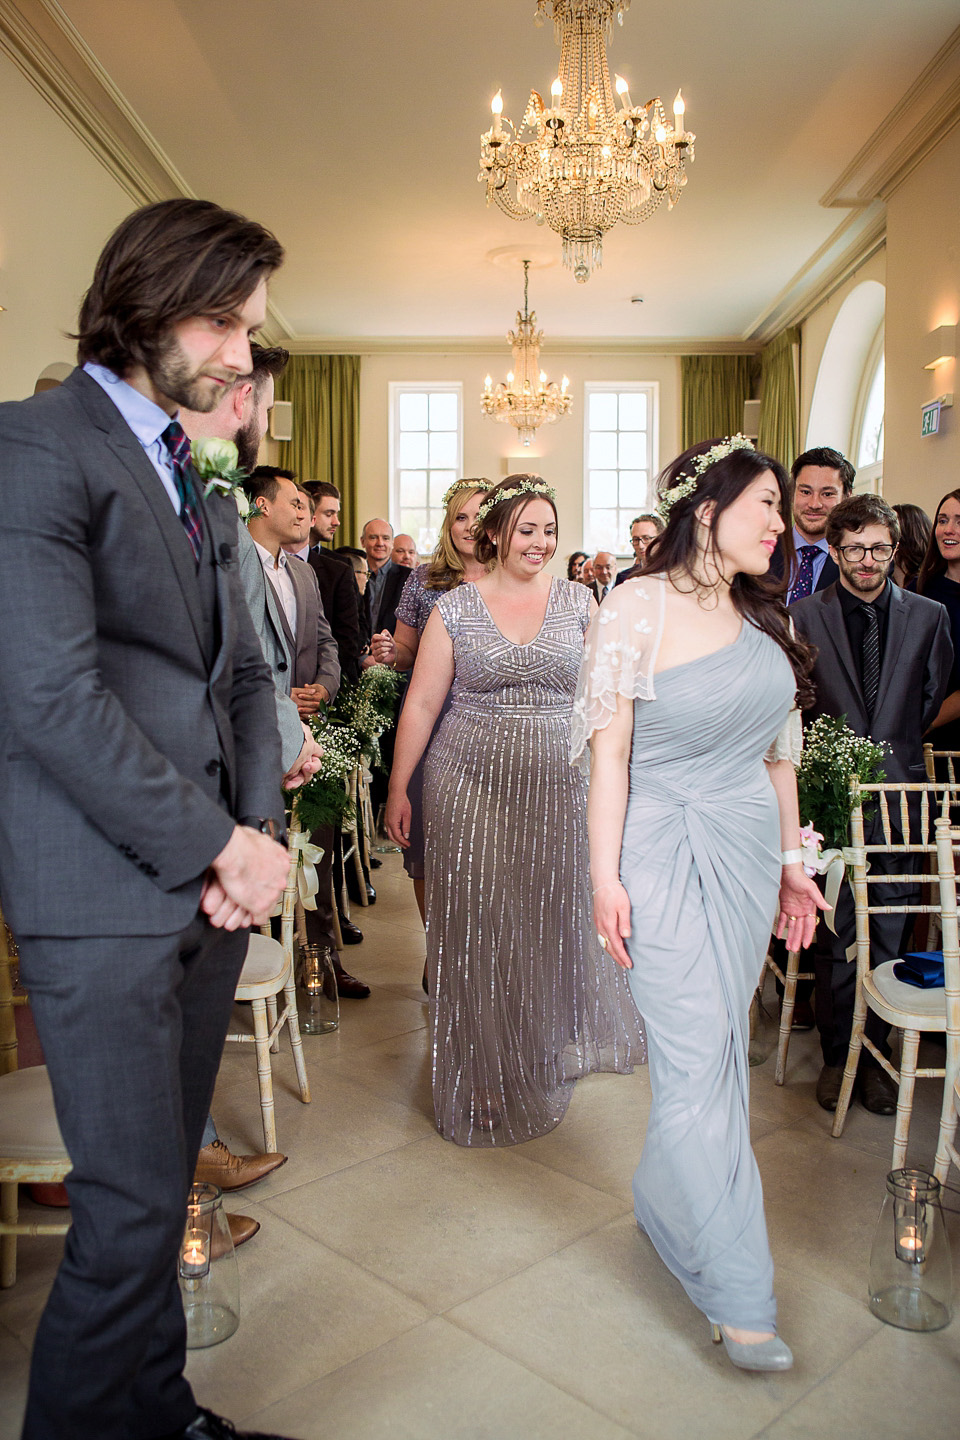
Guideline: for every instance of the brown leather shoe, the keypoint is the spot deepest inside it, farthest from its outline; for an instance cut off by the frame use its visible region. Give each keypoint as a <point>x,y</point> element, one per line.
<point>878,1094</point>
<point>242,1229</point>
<point>217,1166</point>
<point>349,987</point>
<point>828,1086</point>
<point>50,1194</point>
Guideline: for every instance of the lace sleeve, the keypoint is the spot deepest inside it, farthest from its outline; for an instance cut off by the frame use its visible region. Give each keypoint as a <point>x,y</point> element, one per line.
<point>789,743</point>
<point>618,659</point>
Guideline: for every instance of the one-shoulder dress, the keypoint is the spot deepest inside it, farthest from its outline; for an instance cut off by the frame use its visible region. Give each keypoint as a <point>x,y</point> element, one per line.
<point>701,865</point>
<point>523,999</point>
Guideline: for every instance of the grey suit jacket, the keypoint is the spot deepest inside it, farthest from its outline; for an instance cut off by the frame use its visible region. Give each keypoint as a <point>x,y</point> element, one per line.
<point>136,711</point>
<point>267,621</point>
<point>315,655</point>
<point>914,677</point>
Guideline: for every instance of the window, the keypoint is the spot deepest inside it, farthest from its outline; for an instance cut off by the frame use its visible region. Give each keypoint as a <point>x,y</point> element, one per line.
<point>870,449</point>
<point>426,456</point>
<point>620,461</point>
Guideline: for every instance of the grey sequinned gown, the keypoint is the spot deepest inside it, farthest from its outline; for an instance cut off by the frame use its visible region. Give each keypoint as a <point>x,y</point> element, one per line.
<point>701,865</point>
<point>524,999</point>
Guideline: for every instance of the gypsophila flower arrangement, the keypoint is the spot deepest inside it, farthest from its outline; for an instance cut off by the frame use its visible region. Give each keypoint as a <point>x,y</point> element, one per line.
<point>832,756</point>
<point>217,462</point>
<point>347,731</point>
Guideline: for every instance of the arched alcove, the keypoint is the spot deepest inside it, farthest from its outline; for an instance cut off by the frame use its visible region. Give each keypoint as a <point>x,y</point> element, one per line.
<point>51,376</point>
<point>837,406</point>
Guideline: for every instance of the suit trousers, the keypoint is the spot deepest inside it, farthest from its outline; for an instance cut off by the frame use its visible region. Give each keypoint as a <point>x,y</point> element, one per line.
<point>836,978</point>
<point>319,922</point>
<point>132,1031</point>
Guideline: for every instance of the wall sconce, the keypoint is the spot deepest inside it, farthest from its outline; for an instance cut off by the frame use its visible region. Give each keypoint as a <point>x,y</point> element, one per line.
<point>941,345</point>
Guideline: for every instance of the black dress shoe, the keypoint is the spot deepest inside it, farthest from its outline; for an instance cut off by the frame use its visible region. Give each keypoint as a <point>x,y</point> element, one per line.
<point>375,863</point>
<point>878,1094</point>
<point>828,1086</point>
<point>208,1426</point>
<point>349,987</point>
<point>353,890</point>
<point>349,932</point>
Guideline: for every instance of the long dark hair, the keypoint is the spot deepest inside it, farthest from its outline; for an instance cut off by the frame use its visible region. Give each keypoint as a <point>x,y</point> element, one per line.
<point>580,555</point>
<point>933,562</point>
<point>164,263</point>
<point>758,598</point>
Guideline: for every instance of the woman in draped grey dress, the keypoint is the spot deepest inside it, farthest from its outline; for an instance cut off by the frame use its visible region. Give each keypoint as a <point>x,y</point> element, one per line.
<point>523,999</point>
<point>687,696</point>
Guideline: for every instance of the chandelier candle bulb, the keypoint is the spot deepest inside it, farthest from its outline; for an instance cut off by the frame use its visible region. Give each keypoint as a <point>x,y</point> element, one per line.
<point>678,113</point>
<point>496,105</point>
<point>623,90</point>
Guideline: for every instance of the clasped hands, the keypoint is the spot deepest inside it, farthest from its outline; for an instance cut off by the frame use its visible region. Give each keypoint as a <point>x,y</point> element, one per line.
<point>245,880</point>
<point>383,648</point>
<point>309,698</point>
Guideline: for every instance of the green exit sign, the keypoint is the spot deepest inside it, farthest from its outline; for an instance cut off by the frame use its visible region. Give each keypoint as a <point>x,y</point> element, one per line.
<point>930,422</point>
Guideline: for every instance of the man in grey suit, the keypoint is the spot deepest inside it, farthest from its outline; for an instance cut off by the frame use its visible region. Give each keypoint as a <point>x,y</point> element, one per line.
<point>140,802</point>
<point>884,658</point>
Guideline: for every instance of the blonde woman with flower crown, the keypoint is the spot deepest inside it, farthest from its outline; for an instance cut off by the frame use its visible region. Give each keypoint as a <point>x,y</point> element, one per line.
<point>523,999</point>
<point>452,563</point>
<point>686,698</point>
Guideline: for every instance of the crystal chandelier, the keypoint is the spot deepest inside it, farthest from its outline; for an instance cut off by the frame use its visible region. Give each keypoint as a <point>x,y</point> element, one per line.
<point>527,400</point>
<point>585,164</point>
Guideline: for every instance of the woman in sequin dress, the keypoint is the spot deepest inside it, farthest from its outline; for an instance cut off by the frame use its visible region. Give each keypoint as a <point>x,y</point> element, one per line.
<point>524,1001</point>
<point>453,563</point>
<point>688,682</point>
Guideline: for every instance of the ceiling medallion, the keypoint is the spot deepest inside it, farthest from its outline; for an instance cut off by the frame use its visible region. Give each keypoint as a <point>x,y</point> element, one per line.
<point>527,400</point>
<point>585,164</point>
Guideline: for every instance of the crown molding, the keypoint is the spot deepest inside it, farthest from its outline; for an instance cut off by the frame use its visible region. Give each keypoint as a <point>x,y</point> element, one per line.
<point>928,110</point>
<point>371,345</point>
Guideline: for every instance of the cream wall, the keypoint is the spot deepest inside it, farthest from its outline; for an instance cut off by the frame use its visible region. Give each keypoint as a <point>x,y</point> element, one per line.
<point>57,206</point>
<point>923,291</point>
<point>557,451</point>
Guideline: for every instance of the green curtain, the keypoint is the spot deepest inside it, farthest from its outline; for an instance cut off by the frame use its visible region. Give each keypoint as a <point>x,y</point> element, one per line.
<point>714,388</point>
<point>779,420</point>
<point>325,391</point>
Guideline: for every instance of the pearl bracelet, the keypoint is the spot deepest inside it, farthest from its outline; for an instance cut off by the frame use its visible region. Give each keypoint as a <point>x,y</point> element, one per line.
<point>791,857</point>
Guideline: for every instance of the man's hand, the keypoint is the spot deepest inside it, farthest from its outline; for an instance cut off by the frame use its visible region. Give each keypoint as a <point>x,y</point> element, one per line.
<point>245,880</point>
<point>306,764</point>
<point>309,698</point>
<point>383,648</point>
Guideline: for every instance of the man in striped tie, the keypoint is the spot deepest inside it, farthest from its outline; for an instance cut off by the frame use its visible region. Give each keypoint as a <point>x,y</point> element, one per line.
<point>884,662</point>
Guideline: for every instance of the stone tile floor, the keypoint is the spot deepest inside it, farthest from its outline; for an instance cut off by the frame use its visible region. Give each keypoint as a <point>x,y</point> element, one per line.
<point>404,1289</point>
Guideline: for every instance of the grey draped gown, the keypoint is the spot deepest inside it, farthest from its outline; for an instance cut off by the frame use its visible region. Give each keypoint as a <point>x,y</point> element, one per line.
<point>701,864</point>
<point>523,999</point>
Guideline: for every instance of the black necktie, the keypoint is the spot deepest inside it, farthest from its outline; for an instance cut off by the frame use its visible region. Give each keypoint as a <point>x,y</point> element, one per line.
<point>179,446</point>
<point>870,657</point>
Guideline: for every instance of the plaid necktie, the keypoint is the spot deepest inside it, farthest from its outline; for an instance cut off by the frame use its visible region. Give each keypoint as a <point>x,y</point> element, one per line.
<point>179,447</point>
<point>870,657</point>
<point>803,585</point>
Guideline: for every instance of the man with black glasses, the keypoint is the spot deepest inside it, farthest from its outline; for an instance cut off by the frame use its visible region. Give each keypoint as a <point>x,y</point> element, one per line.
<point>884,661</point>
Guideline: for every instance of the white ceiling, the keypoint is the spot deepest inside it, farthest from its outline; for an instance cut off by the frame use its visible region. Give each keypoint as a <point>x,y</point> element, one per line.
<point>351,128</point>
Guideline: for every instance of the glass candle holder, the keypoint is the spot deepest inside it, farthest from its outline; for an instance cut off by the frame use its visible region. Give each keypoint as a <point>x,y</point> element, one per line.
<point>321,1002</point>
<point>911,1279</point>
<point>209,1277</point>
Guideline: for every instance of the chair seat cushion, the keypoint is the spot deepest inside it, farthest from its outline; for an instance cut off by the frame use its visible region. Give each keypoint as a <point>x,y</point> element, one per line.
<point>927,1008</point>
<point>264,968</point>
<point>28,1122</point>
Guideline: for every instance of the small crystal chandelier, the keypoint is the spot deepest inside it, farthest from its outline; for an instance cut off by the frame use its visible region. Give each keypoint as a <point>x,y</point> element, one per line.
<point>585,165</point>
<point>527,400</point>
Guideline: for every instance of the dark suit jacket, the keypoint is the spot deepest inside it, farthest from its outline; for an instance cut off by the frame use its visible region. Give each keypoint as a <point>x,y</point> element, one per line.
<point>397,577</point>
<point>341,605</point>
<point>313,647</point>
<point>596,589</point>
<point>631,573</point>
<point>136,710</point>
<point>829,573</point>
<point>914,676</point>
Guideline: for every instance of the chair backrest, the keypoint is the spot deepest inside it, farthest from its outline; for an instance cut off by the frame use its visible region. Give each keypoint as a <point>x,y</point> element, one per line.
<point>914,819</point>
<point>8,1024</point>
<point>949,766</point>
<point>289,900</point>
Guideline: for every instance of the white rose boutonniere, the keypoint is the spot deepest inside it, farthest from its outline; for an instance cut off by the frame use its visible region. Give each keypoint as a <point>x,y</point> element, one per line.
<point>215,461</point>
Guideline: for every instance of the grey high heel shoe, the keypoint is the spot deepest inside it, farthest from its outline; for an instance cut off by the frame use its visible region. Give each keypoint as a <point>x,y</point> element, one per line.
<point>772,1354</point>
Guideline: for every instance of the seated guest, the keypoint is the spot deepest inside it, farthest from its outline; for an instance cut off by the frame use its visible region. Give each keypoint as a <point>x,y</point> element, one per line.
<point>575,564</point>
<point>404,551</point>
<point>884,660</point>
<point>643,531</point>
<point>916,528</point>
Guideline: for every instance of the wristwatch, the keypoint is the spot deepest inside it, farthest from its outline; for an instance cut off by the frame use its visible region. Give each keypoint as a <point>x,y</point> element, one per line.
<point>265,826</point>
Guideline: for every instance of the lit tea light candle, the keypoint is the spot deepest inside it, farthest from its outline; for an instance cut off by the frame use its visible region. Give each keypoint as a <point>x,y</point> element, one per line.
<point>195,1259</point>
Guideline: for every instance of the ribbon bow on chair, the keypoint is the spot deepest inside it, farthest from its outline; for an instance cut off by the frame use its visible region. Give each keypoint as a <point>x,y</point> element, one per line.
<point>309,856</point>
<point>832,865</point>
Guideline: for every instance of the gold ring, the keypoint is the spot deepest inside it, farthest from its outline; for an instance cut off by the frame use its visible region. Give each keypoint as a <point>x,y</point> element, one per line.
<point>603,941</point>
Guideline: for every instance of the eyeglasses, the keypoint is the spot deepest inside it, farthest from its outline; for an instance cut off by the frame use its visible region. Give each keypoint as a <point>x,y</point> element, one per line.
<point>857,552</point>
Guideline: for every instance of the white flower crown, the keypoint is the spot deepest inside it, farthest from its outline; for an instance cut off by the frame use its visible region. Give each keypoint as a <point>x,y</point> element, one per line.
<point>461,485</point>
<point>702,463</point>
<point>524,487</point>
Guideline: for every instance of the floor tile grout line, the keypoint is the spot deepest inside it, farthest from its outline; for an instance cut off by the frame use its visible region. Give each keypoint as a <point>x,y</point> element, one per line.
<point>800,1399</point>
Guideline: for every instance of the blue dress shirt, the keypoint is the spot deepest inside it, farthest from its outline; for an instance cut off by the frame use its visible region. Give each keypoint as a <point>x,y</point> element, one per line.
<point>146,420</point>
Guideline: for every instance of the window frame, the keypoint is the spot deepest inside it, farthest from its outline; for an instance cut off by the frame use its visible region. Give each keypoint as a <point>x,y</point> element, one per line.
<point>396,388</point>
<point>619,387</point>
<point>870,474</point>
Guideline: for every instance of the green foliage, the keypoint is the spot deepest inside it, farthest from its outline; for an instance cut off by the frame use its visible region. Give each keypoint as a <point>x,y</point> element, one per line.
<point>832,756</point>
<point>346,731</point>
